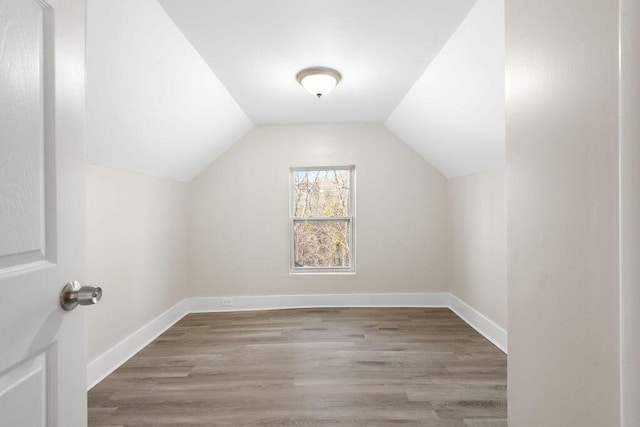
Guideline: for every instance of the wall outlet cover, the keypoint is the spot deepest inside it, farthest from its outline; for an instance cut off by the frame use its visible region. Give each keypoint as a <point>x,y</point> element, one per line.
<point>228,302</point>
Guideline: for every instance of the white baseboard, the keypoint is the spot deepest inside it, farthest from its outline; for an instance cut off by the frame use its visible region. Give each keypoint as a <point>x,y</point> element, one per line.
<point>275,302</point>
<point>478,321</point>
<point>113,358</point>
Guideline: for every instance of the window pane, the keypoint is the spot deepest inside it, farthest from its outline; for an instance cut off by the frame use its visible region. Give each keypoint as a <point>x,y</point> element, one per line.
<point>321,244</point>
<point>321,194</point>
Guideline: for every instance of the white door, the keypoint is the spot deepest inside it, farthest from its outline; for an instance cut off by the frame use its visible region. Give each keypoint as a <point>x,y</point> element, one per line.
<point>42,347</point>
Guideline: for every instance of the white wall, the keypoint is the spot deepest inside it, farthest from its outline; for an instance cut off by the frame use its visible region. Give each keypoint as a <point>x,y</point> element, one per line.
<point>238,214</point>
<point>562,213</point>
<point>630,207</point>
<point>477,243</point>
<point>136,251</point>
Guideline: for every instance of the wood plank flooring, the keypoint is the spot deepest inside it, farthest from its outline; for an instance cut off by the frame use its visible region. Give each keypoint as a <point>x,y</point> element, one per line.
<point>310,367</point>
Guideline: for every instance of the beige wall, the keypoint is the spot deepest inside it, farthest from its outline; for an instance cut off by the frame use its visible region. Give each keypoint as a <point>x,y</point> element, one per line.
<point>562,213</point>
<point>477,243</point>
<point>630,207</point>
<point>238,214</point>
<point>136,250</point>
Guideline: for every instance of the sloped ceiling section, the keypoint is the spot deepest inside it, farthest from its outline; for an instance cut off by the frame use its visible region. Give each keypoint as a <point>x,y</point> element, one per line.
<point>433,72</point>
<point>153,105</point>
<point>454,116</point>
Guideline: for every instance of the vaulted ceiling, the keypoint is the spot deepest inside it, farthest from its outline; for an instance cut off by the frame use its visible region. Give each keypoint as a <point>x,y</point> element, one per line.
<point>171,84</point>
<point>256,48</point>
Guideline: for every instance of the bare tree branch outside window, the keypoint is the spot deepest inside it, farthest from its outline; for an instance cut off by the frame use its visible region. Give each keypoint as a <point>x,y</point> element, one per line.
<point>322,218</point>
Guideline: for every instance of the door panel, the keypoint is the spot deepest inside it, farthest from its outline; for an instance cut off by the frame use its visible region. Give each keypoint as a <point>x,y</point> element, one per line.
<point>25,383</point>
<point>42,356</point>
<point>25,113</point>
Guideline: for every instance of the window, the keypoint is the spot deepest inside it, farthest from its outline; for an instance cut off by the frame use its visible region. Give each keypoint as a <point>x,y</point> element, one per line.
<point>322,206</point>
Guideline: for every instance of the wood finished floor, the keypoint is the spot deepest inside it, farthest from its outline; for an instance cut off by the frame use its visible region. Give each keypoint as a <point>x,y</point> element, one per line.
<point>310,367</point>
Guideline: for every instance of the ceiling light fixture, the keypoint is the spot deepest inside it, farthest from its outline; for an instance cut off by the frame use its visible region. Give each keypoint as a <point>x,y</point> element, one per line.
<point>318,81</point>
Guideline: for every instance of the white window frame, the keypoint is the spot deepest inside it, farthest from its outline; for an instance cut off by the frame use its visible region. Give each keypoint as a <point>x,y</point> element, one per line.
<point>351,269</point>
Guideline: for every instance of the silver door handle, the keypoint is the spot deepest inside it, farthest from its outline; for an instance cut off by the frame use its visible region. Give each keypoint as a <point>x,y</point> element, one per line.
<point>73,294</point>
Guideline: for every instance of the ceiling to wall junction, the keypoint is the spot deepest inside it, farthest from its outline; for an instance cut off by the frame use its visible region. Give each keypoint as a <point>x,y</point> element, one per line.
<point>153,105</point>
<point>454,115</point>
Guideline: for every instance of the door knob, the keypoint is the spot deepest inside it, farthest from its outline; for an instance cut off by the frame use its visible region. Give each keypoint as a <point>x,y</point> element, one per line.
<point>73,294</point>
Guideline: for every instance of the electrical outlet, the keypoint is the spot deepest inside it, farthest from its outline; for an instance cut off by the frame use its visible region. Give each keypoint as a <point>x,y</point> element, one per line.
<point>226,301</point>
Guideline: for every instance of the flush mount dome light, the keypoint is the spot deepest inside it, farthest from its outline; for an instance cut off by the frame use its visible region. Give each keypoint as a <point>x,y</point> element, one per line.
<point>318,81</point>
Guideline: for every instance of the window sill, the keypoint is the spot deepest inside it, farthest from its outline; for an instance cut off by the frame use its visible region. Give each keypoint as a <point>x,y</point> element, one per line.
<point>322,273</point>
